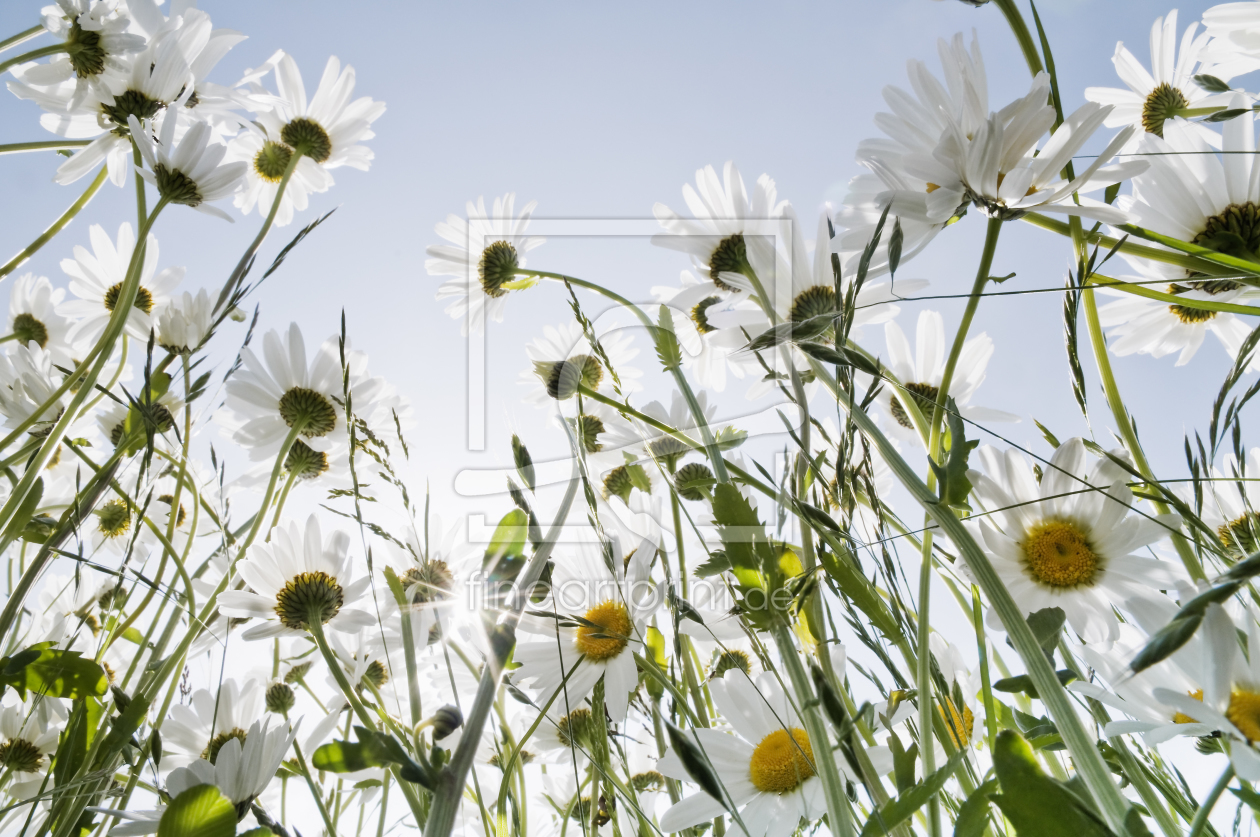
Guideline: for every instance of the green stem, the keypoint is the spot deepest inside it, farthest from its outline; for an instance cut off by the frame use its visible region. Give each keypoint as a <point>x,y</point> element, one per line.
<point>57,226</point>
<point>1185,260</point>
<point>1173,299</point>
<point>42,145</point>
<point>22,37</point>
<point>315,794</point>
<point>32,55</point>
<point>1020,30</point>
<point>1205,810</point>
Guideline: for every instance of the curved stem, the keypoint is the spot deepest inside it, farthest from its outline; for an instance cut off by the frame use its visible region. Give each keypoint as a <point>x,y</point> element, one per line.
<point>32,55</point>
<point>1173,299</point>
<point>1020,30</point>
<point>1205,810</point>
<point>22,37</point>
<point>42,145</point>
<point>57,226</point>
<point>1185,260</point>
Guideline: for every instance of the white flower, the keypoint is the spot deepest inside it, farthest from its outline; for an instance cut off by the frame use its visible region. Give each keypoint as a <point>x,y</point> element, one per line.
<point>97,43</point>
<point>916,124</point>
<point>189,172</point>
<point>1235,31</point>
<point>185,322</point>
<point>767,768</point>
<point>27,381</point>
<point>270,394</point>
<point>583,586</point>
<point>96,278</point>
<point>724,238</point>
<point>920,372</point>
<point>485,255</point>
<point>297,577</point>
<point>996,170</point>
<point>28,738</point>
<point>241,774</point>
<point>1068,542</point>
<point>33,316</point>
<point>709,356</point>
<point>199,729</point>
<point>1155,96</point>
<point>562,358</point>
<point>1230,702</point>
<point>266,163</point>
<point>1230,502</point>
<point>661,445</point>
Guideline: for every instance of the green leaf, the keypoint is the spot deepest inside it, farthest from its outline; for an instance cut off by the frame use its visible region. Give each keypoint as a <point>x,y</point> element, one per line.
<point>655,642</point>
<point>1225,115</point>
<point>200,811</point>
<point>695,762</point>
<point>261,831</point>
<point>346,757</point>
<point>1047,627</point>
<point>903,762</point>
<point>508,539</point>
<point>1211,84</point>
<point>1036,804</point>
<point>667,349</point>
<point>953,485</point>
<point>1023,683</point>
<point>23,515</point>
<point>54,673</point>
<point>840,357</point>
<point>896,811</point>
<point>973,815</point>
<point>524,464</point>
<point>741,532</point>
<point>717,564</point>
<point>895,242</point>
<point>76,738</point>
<point>1247,795</point>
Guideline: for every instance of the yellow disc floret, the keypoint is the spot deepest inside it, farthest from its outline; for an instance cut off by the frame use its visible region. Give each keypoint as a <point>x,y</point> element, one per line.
<point>1244,712</point>
<point>782,761</point>
<point>607,634</point>
<point>1058,554</point>
<point>1183,718</point>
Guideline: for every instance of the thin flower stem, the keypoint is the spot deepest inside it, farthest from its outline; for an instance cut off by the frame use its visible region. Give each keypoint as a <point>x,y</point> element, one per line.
<point>1185,260</point>
<point>1173,299</point>
<point>982,645</point>
<point>42,145</point>
<point>22,37</point>
<point>57,226</point>
<point>32,55</point>
<point>316,629</point>
<point>1020,30</point>
<point>702,422</point>
<point>1205,810</point>
<point>310,783</point>
<point>1121,415</point>
<point>238,273</point>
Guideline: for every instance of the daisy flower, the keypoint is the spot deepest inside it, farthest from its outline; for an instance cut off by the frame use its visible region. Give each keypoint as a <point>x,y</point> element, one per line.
<point>613,608</point>
<point>1230,703</point>
<point>241,774</point>
<point>485,255</point>
<point>97,41</point>
<point>199,729</point>
<point>722,238</point>
<point>709,356</point>
<point>962,711</point>
<point>28,738</point>
<point>296,578</point>
<point>272,393</point>
<point>28,381</point>
<point>663,446</point>
<point>185,322</point>
<point>1156,96</point>
<point>266,161</point>
<point>1068,542</point>
<point>191,171</point>
<point>767,767</point>
<point>96,279</point>
<point>920,373</point>
<point>916,123</point>
<point>1231,502</point>
<point>1235,31</point>
<point>33,317</point>
<point>563,357</point>
<point>1001,171</point>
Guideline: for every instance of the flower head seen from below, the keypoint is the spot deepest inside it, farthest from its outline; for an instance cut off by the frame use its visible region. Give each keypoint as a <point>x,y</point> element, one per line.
<point>33,317</point>
<point>563,359</point>
<point>266,163</point>
<point>190,172</point>
<point>200,728</point>
<point>97,276</point>
<point>185,323</point>
<point>486,255</point>
<point>297,580</point>
<point>1069,540</point>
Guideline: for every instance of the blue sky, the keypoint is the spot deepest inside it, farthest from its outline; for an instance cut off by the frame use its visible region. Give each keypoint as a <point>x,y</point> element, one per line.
<point>601,110</point>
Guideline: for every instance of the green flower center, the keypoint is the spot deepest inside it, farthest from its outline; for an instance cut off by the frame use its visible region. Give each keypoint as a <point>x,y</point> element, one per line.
<point>576,728</point>
<point>498,265</point>
<point>562,377</point>
<point>589,428</point>
<point>1234,231</point>
<point>730,256</point>
<point>211,753</point>
<point>176,186</point>
<point>20,756</point>
<point>305,463</point>
<point>308,137</point>
<point>272,160</point>
<point>730,660</point>
<point>699,314</point>
<point>131,103</point>
<point>156,416</point>
<point>26,328</point>
<point>618,483</point>
<point>280,698</point>
<point>924,396</point>
<point>113,519</point>
<point>316,412</point>
<point>649,780</point>
<point>429,582</point>
<point>376,674</point>
<point>87,56</point>
<point>1163,103</point>
<point>813,302</point>
<point>693,480</point>
<point>144,299</point>
<point>309,596</point>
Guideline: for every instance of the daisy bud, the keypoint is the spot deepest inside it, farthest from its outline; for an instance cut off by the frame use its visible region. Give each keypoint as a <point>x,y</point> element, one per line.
<point>693,481</point>
<point>295,674</point>
<point>562,377</point>
<point>445,721</point>
<point>280,698</point>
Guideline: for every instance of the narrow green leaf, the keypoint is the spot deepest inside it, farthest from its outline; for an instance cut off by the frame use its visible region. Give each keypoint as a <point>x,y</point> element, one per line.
<point>973,815</point>
<point>524,464</point>
<point>667,349</point>
<point>896,811</point>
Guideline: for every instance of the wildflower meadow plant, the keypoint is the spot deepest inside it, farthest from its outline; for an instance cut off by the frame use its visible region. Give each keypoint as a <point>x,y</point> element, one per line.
<point>692,633</point>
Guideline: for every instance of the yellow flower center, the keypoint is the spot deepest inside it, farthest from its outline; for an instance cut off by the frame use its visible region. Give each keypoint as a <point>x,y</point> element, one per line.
<point>1183,718</point>
<point>1058,554</point>
<point>782,761</point>
<point>960,725</point>
<point>932,187</point>
<point>608,632</point>
<point>1244,713</point>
